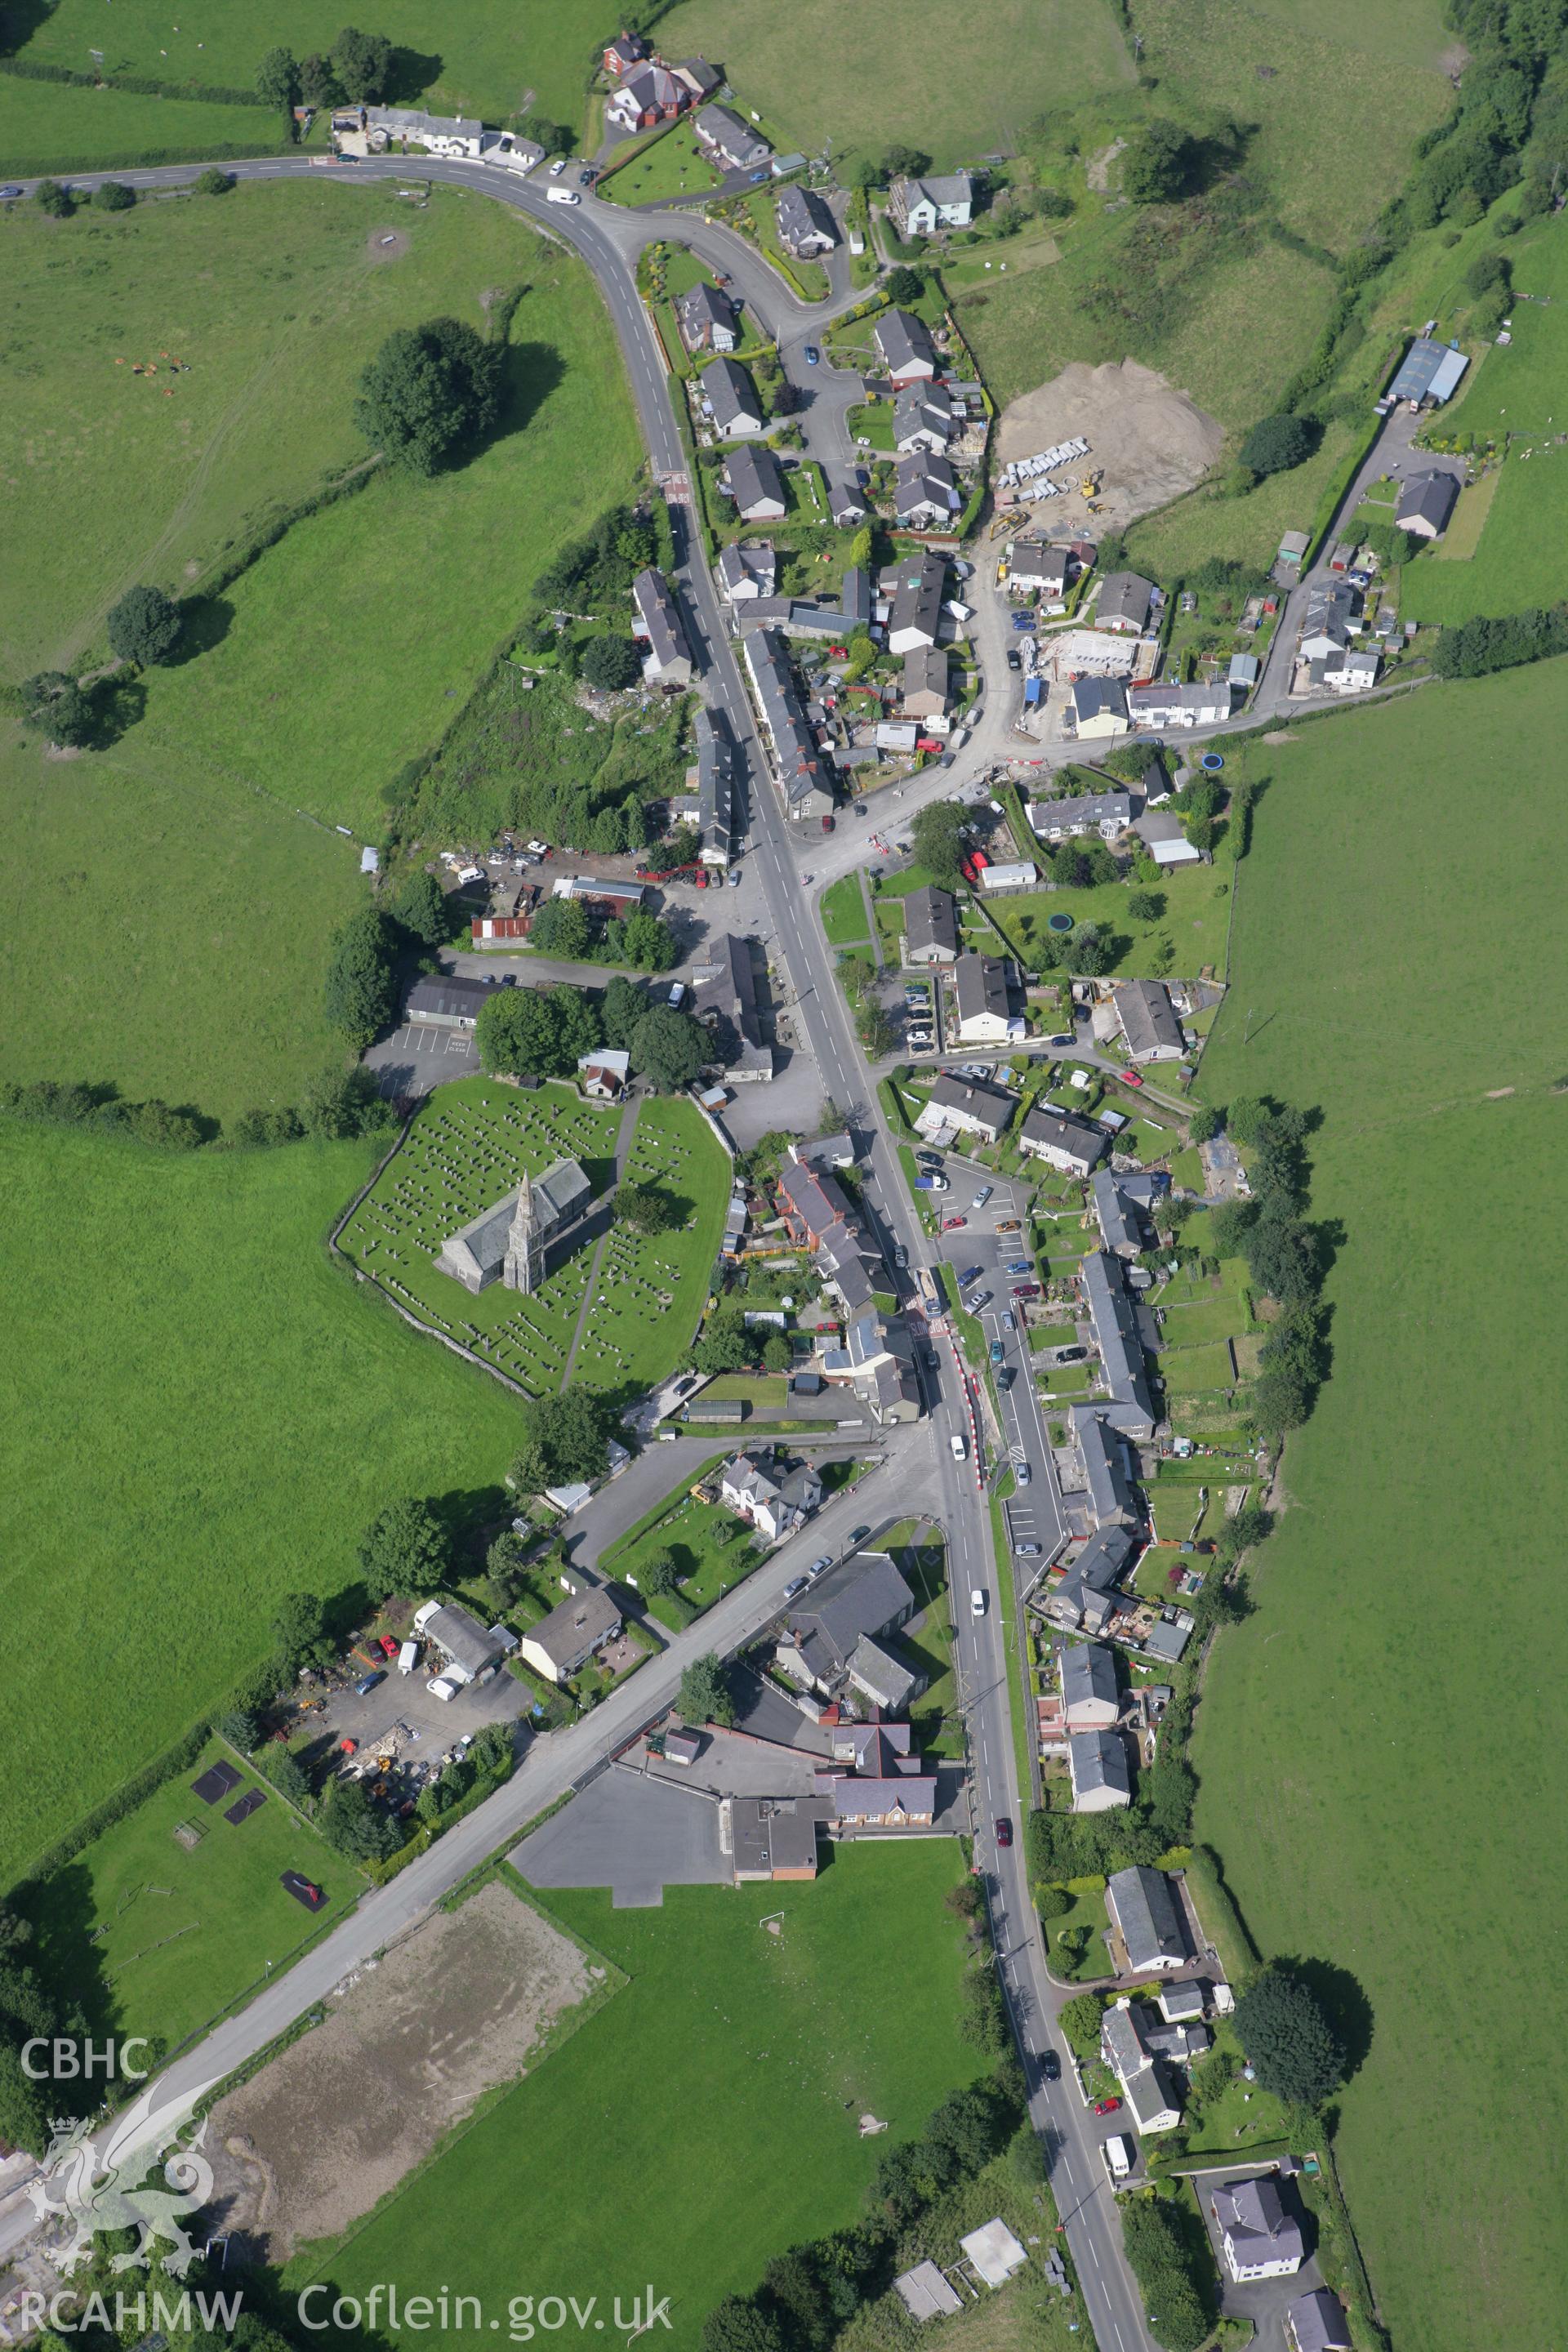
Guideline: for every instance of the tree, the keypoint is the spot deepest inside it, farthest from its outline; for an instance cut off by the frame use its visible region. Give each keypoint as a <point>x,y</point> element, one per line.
<point>904,284</point>
<point>51,198</point>
<point>555,138</point>
<point>240,1729</point>
<point>1203,1123</point>
<point>362,64</point>
<point>574,1019</point>
<point>1146,905</point>
<point>874,1027</point>
<point>621,1007</point>
<point>113,197</point>
<point>1053,1902</point>
<point>353,1827</point>
<point>1157,164</point>
<point>492,1753</point>
<point>405,1550</point>
<point>728,1343</point>
<point>278,82</point>
<point>430,391</point>
<point>55,703</point>
<point>212,182</point>
<point>318,84</point>
<point>611,663</point>
<point>905,163</point>
<point>777,1353</point>
<point>646,1210</point>
<point>704,1694</point>
<point>658,1574</point>
<point>1295,2050</point>
<point>421,907</point>
<point>561,927</point>
<point>1026,2156</point>
<point>1079,2019</point>
<point>361,994</point>
<point>739,2324</point>
<point>565,1439</point>
<point>289,1775</point>
<point>24,2110</point>
<point>668,1047</point>
<point>513,1033</point>
<point>144,626</point>
<point>860,549</point>
<point>647,943</point>
<point>299,1632</point>
<point>1277,443</point>
<point>937,833</point>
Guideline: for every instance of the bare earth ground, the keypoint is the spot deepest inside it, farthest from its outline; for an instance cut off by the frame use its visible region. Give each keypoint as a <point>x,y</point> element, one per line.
<point>1150,442</point>
<point>322,2134</point>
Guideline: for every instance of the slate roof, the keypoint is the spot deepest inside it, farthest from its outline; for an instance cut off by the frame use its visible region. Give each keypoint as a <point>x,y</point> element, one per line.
<point>1110,1488</point>
<point>1427,498</point>
<point>754,477</point>
<point>917,601</point>
<point>923,480</point>
<point>715,778</point>
<point>1097,1761</point>
<point>705,307</point>
<point>982,982</point>
<point>930,920</point>
<point>661,618</point>
<point>1316,2323</point>
<point>903,341</point>
<point>1089,1677</point>
<point>724,129</point>
<point>1252,2214</point>
<point>1148,1017</point>
<point>1095,697</point>
<point>447,995</point>
<point>1123,596</point>
<point>1062,1131</point>
<point>802,216</point>
<point>748,567</point>
<point>1083,809</point>
<point>1116,1332</point>
<point>1146,1912</point>
<point>1119,1228</point>
<point>863,1594</point>
<point>925,672</point>
<point>730,391</point>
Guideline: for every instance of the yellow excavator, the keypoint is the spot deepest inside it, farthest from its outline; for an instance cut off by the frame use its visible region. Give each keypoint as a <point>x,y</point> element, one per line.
<point>1088,485</point>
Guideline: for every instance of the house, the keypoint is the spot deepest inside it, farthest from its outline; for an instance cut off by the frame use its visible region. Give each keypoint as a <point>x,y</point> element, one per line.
<point>1036,565</point>
<point>931,926</point>
<point>724,990</point>
<point>772,1837</point>
<point>1091,1700</point>
<point>1161,832</point>
<point>1097,706</point>
<point>1316,2323</point>
<point>1123,604</point>
<point>804,782</point>
<point>1096,1761</point>
<point>1086,1598</point>
<point>1062,1140</point>
<point>925,493</point>
<point>1182,2003</point>
<point>886,1785</point>
<point>994,2253</point>
<point>814,1208</point>
<point>438,134</point>
<point>1146,2084</point>
<point>1329,621</point>
<point>731,144</point>
<point>562,1641</point>
<point>1149,1022</point>
<point>1344,673</point>
<point>668,662</point>
<point>627,49</point>
<point>646,95</point>
<point>447,1001</point>
<point>715,784</point>
<point>776,1506</point>
<point>708,319</point>
<point>905,348</point>
<point>922,419</point>
<point>983,1015</point>
<point>1120,1227</point>
<point>807,227</point>
<point>965,1106</point>
<point>1162,703</point>
<point>1429,374</point>
<point>469,1653</point>
<point>915,618</point>
<point>920,208</point>
<point>508,1243</point>
<point>1260,2238</point>
<point>885,1680</point>
<point>1142,1909</point>
<point>1111,1502</point>
<point>1107,814</point>
<point>1167,1637</point>
<point>863,1594</point>
<point>877,1359</point>
<point>699,77</point>
<point>753,480</point>
<point>847,503</point>
<point>1115,1319</point>
<point>924,691</point>
<point>603,1076</point>
<point>747,569</point>
<point>1425,503</point>
<point>732,397</point>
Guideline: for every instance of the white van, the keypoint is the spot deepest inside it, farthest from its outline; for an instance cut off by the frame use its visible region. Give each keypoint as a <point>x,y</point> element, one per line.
<point>441,1686</point>
<point>563,195</point>
<point>960,1448</point>
<point>408,1657</point>
<point>1117,2159</point>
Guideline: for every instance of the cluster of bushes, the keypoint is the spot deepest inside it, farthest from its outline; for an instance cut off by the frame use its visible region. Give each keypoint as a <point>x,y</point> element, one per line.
<point>594,573</point>
<point>730,1344</point>
<point>1282,1258</point>
<point>1474,647</point>
<point>100,1108</point>
<point>138,85</point>
<point>807,2296</point>
<point>544,1033</point>
<point>563,927</point>
<point>1168,2254</point>
<point>337,1105</point>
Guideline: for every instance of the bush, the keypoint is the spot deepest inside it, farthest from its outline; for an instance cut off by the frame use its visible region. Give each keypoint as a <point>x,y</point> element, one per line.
<point>51,198</point>
<point>1278,443</point>
<point>113,197</point>
<point>214,182</point>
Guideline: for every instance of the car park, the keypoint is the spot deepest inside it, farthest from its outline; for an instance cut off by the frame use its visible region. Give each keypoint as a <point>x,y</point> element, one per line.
<point>1026,1290</point>
<point>983,1196</point>
<point>1023,1474</point>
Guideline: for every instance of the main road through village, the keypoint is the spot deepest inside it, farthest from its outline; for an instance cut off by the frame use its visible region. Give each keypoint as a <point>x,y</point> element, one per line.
<point>921,1471</point>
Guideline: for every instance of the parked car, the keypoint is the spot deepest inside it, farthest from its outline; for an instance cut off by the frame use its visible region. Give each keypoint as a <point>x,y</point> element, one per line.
<point>733,878</point>
<point>1107,2107</point>
<point>1004,1378</point>
<point>1014,658</point>
<point>818,1565</point>
<point>1071,1355</point>
<point>1130,1078</point>
<point>1004,1832</point>
<point>1008,1225</point>
<point>442,1686</point>
<point>1026,1290</point>
<point>558,167</point>
<point>931,1182</point>
<point>367,1683</point>
<point>998,1353</point>
<point>797,1584</point>
<point>1023,620</point>
<point>563,195</point>
<point>983,1196</point>
<point>1007,1322</point>
<point>929,1159</point>
<point>977,1302</point>
<point>858,1535</point>
<point>1065,1039</point>
<point>971,1274</point>
<point>952,1224</point>
<point>919,1037</point>
<point>1019,1265</point>
<point>900,1256</point>
<point>1027,1551</point>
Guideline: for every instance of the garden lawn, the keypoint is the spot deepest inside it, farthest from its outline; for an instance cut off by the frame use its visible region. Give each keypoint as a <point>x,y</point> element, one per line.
<point>671,166</point>
<point>1335,1757</point>
<point>150,1937</point>
<point>788,2038</point>
<point>1210,1319</point>
<point>844,911</point>
<point>200,1416</point>
<point>1094,1962</point>
<point>1196,910</point>
<point>1189,1371</point>
<point>712,1550</point>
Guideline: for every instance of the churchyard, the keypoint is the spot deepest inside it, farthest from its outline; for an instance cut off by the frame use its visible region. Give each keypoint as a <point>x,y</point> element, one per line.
<point>468,1147</point>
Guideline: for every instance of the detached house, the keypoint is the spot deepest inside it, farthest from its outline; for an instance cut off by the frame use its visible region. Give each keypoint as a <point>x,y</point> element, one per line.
<point>1107,814</point>
<point>925,493</point>
<point>747,569</point>
<point>922,419</point>
<point>757,485</point>
<point>1063,1141</point>
<point>1124,602</point>
<point>1149,1022</point>
<point>984,1018</point>
<point>731,397</point>
<point>931,926</point>
<point>649,95</point>
<point>1260,2238</point>
<point>1145,1915</point>
<point>562,1641</point>
<point>807,227</point>
<point>776,1506</point>
<point>1097,706</point>
<point>965,1106</point>
<point>1331,619</point>
<point>905,348</point>
<point>729,142</point>
<point>708,319</point>
<point>921,207</point>
<point>864,1594</point>
<point>888,1788</point>
<point>1426,504</point>
<point>1096,1761</point>
<point>1037,565</point>
<point>1145,2085</point>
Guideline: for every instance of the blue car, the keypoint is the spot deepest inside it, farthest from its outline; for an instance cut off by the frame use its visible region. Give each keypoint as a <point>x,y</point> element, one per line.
<point>1020,1266</point>
<point>369,1683</point>
<point>1023,620</point>
<point>971,1274</point>
<point>812,355</point>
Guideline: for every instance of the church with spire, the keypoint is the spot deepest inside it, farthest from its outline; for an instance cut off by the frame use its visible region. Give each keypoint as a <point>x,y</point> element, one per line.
<point>511,1242</point>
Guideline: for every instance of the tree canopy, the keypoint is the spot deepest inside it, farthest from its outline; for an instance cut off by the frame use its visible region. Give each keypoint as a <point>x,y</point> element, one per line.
<point>564,1438</point>
<point>113,197</point>
<point>403,1551</point>
<point>278,79</point>
<point>611,663</point>
<point>430,391</point>
<point>937,832</point>
<point>362,64</point>
<point>646,1210</point>
<point>536,1033</point>
<point>144,626</point>
<point>1295,2050</point>
<point>668,1047</point>
<point>728,1344</point>
<point>54,702</point>
<point>421,907</point>
<point>1276,443</point>
<point>1157,164</point>
<point>563,928</point>
<point>361,994</point>
<point>352,1825</point>
<point>621,1007</point>
<point>704,1694</point>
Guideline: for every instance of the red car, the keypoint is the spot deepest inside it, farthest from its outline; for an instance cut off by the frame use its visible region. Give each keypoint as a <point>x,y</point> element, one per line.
<point>389,1646</point>
<point>1130,1078</point>
<point>1004,1832</point>
<point>952,1224</point>
<point>1026,1290</point>
<point>1106,2107</point>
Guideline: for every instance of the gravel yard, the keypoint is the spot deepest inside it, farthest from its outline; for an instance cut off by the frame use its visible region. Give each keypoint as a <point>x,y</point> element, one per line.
<point>1148,441</point>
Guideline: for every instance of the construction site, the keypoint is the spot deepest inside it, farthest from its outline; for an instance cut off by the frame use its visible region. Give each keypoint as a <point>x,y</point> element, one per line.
<point>1146,442</point>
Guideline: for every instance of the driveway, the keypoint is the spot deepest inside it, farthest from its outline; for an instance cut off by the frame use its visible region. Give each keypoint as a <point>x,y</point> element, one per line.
<point>1263,2301</point>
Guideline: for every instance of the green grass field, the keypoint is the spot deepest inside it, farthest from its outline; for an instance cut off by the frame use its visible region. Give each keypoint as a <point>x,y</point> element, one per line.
<point>50,127</point>
<point>707,1568</point>
<point>651,1289</point>
<point>1364,1813</point>
<point>843,909</point>
<point>201,1417</point>
<point>783,2041</point>
<point>149,1937</point>
<point>1196,910</point>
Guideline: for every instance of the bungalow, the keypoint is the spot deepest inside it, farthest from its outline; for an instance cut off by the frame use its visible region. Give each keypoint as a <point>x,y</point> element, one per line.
<point>747,569</point>
<point>1107,814</point>
<point>931,926</point>
<point>776,1506</point>
<point>920,208</point>
<point>603,1076</point>
<point>728,142</point>
<point>915,618</point>
<point>1124,602</point>
<point>999,878</point>
<point>905,348</point>
<point>649,95</point>
<point>562,1641</point>
<point>847,503</point>
<point>1143,1910</point>
<point>1087,1600</point>
<point>1149,1022</point>
<point>1062,1140</point>
<point>1097,1764</point>
<point>965,1106</point>
<point>1115,1319</point>
<point>807,227</point>
<point>1164,703</point>
<point>1035,564</point>
<point>627,49</point>
<point>925,493</point>
<point>1091,1700</point>
<point>1316,2323</point>
<point>754,482</point>
<point>1261,2240</point>
<point>924,690</point>
<point>984,1018</point>
<point>1097,706</point>
<point>730,397</point>
<point>668,662</point>
<point>708,319</point>
<point>1112,1499</point>
<point>922,419</point>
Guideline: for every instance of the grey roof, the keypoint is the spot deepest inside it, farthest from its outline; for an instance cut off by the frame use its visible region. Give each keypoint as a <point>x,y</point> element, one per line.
<point>1080,811</point>
<point>1089,1677</point>
<point>925,672</point>
<point>903,341</point>
<point>1150,2098</point>
<point>746,565</point>
<point>462,1638</point>
<point>1038,558</point>
<point>575,1626</point>
<point>730,391</point>
<point>1331,611</point>
<point>1124,597</point>
<point>1110,1488</point>
<point>661,618</point>
<point>930,920</point>
<point>1165,1640</point>
<point>1094,697</point>
<point>854,598</point>
<point>941,189</point>
<point>1428,370</point>
<point>1168,695</point>
<point>704,307</point>
<point>724,982</point>
<point>1148,1017</point>
<point>925,2293</point>
<point>1182,2000</point>
<point>863,1594</point>
<point>1121,2041</point>
<point>1316,2323</point>
<point>975,1097</point>
<point>1427,498</point>
<point>1252,2214</point>
<point>754,479</point>
<point>715,778</point>
<point>446,996</point>
<point>1098,1759</point>
<point>1144,1904</point>
<point>723,128</point>
<point>1115,1320</point>
<point>1119,1226</point>
<point>697,70</point>
<point>922,406</point>
<point>857,1798</point>
<point>925,479</point>
<point>561,1193</point>
<point>917,601</point>
<point>890,1683</point>
<point>1063,1131</point>
<point>816,1200</point>
<point>982,983</point>
<point>1244,669</point>
<point>802,216</point>
<point>803,775</point>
